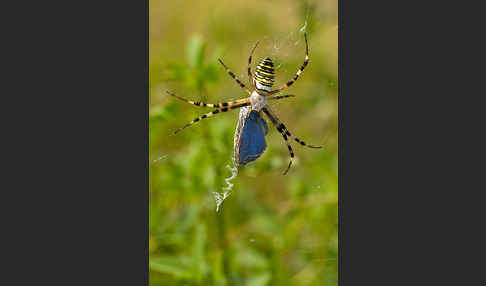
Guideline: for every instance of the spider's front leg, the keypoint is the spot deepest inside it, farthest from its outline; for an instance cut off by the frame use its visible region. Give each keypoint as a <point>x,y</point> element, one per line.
<point>234,77</point>
<point>306,61</point>
<point>250,76</point>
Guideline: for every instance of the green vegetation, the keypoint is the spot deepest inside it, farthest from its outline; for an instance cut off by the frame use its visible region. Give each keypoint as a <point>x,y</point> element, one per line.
<point>272,229</point>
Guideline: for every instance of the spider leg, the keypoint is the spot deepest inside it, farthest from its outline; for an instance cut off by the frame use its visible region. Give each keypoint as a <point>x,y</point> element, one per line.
<point>250,76</point>
<point>306,61</point>
<point>214,112</point>
<point>281,96</point>
<point>234,77</point>
<point>281,126</point>
<point>285,134</point>
<point>277,124</point>
<point>215,105</point>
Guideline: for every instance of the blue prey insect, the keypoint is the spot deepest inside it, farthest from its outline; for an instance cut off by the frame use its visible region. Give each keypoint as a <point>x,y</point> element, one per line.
<point>249,141</point>
<point>249,136</point>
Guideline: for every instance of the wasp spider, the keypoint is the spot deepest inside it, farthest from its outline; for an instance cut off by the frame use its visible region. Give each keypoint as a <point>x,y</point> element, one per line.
<point>252,128</point>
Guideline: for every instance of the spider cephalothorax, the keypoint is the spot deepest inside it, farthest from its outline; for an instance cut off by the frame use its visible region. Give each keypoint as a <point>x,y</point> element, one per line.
<point>251,128</point>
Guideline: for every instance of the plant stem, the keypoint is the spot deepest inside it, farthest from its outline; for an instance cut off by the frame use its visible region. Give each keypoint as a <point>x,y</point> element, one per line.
<point>220,216</point>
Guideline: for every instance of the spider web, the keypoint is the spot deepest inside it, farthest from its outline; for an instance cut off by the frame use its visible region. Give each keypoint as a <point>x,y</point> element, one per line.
<point>220,197</point>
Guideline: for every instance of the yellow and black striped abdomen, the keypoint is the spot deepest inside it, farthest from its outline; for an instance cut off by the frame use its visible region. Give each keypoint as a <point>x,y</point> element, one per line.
<point>265,74</point>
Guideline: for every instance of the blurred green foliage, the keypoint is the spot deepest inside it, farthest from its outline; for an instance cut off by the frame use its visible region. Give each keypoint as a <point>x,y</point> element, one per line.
<point>272,229</point>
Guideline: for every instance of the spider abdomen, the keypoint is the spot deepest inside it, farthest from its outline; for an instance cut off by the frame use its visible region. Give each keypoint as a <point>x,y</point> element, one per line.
<point>264,75</point>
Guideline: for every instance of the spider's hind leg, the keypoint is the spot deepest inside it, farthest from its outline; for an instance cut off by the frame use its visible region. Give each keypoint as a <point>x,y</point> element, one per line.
<point>283,129</point>
<point>285,134</point>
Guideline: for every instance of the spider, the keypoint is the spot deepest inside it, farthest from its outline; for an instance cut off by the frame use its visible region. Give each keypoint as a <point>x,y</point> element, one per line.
<point>249,142</point>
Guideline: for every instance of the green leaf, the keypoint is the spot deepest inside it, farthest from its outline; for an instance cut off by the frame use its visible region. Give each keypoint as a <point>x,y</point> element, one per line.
<point>259,280</point>
<point>217,268</point>
<point>252,259</point>
<point>171,265</point>
<point>200,266</point>
<point>195,52</point>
